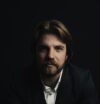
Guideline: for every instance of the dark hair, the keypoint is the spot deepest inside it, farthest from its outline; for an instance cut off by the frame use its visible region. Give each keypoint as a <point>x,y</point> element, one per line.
<point>54,27</point>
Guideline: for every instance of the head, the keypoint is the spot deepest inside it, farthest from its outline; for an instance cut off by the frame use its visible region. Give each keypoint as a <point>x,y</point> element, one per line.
<point>51,47</point>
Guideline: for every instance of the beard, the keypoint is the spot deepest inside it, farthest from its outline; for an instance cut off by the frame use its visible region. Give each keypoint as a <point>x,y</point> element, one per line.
<point>50,68</point>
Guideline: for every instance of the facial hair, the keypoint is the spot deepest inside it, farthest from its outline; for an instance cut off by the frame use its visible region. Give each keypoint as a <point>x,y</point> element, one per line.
<point>43,69</point>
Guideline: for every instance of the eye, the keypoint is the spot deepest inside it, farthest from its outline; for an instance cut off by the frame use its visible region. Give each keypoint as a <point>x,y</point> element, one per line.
<point>42,49</point>
<point>59,48</point>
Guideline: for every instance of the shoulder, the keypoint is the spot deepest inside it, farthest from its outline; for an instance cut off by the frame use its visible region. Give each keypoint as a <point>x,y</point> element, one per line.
<point>20,86</point>
<point>78,72</point>
<point>83,84</point>
<point>80,77</point>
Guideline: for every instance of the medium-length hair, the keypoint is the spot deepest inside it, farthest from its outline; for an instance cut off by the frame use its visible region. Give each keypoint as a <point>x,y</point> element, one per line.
<point>54,27</point>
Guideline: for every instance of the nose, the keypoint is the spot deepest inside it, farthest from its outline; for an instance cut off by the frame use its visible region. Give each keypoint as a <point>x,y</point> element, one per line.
<point>51,54</point>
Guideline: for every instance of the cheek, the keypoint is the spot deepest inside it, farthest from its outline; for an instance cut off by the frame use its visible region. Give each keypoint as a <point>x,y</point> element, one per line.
<point>41,56</point>
<point>62,59</point>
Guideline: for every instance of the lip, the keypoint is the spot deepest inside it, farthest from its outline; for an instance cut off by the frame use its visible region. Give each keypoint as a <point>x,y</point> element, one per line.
<point>50,65</point>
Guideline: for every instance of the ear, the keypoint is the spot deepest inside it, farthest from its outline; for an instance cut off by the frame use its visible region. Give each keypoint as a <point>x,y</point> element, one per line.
<point>66,57</point>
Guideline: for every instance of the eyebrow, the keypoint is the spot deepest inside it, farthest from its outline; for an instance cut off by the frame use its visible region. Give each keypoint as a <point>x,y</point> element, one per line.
<point>60,46</point>
<point>45,46</point>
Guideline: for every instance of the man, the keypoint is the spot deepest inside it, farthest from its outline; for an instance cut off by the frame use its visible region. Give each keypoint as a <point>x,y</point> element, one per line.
<point>53,79</point>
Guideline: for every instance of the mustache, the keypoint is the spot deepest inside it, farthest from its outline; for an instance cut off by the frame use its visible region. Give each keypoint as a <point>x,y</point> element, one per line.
<point>51,62</point>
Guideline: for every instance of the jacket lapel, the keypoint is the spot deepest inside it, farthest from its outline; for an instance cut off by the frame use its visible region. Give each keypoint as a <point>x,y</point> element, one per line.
<point>37,93</point>
<point>65,94</point>
<point>34,91</point>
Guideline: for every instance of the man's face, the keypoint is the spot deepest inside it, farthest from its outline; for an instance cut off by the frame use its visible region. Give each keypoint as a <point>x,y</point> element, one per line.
<point>51,54</point>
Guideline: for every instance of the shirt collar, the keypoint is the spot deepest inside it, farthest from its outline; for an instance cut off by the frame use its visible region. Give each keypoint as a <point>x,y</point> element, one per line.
<point>46,88</point>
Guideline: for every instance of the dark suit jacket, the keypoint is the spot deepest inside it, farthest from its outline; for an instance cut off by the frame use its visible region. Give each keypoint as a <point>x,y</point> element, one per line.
<point>76,87</point>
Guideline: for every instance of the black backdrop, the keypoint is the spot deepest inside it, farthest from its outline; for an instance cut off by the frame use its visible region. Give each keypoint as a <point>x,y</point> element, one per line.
<point>82,18</point>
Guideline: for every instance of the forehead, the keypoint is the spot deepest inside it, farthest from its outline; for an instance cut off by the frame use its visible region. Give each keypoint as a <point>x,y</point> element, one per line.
<point>50,39</point>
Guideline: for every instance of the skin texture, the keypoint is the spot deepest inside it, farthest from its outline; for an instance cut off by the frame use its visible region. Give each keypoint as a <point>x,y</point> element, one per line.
<point>51,54</point>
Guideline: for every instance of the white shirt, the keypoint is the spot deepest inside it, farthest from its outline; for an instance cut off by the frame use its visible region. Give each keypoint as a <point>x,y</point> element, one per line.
<point>50,94</point>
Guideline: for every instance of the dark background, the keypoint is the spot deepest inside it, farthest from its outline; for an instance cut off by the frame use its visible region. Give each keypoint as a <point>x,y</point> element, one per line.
<point>82,18</point>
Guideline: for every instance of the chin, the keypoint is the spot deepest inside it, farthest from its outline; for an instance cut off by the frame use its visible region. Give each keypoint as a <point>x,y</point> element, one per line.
<point>51,72</point>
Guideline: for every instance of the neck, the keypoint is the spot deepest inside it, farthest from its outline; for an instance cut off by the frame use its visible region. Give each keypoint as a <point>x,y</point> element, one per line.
<point>50,81</point>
